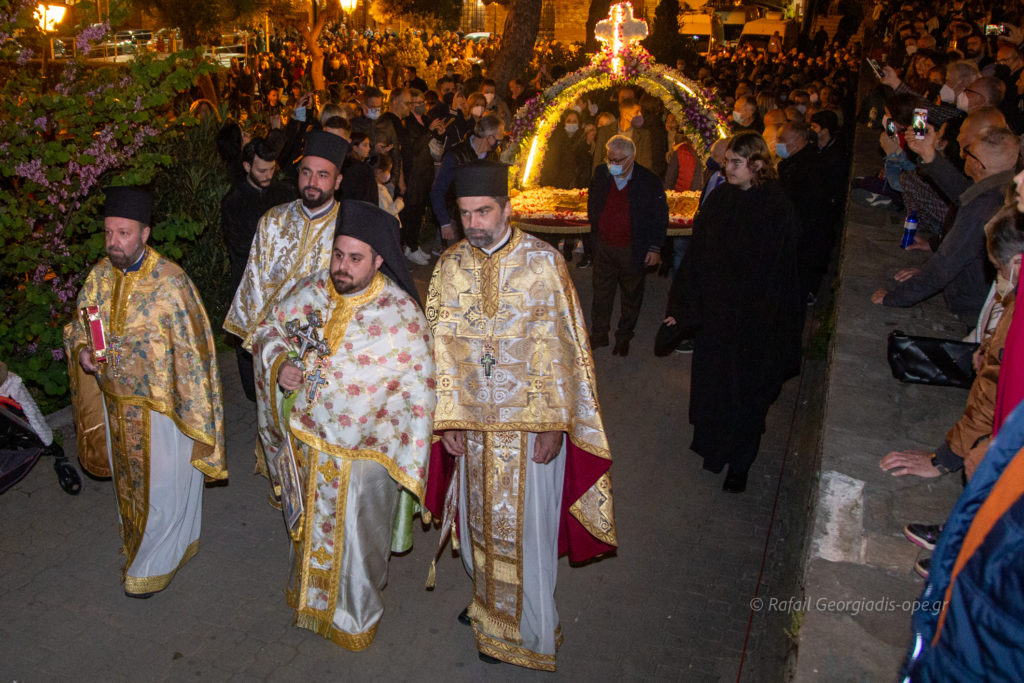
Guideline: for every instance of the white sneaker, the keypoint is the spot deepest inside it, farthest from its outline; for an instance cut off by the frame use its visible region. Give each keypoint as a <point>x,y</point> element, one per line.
<point>417,257</point>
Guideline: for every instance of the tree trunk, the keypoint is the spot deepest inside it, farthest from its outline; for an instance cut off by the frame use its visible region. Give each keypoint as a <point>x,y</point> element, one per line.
<point>598,12</point>
<point>517,41</point>
<point>312,37</point>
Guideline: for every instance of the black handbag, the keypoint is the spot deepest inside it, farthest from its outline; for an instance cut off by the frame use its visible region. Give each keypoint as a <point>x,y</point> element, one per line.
<point>929,360</point>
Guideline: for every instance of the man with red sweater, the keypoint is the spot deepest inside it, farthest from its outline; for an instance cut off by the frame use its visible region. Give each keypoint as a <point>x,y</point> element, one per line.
<point>628,220</point>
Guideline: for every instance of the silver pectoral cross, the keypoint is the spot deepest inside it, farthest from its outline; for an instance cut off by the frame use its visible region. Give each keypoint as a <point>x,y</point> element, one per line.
<point>488,361</point>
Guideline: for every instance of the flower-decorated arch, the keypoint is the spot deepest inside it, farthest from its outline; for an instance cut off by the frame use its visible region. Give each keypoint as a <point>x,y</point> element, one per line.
<point>622,62</point>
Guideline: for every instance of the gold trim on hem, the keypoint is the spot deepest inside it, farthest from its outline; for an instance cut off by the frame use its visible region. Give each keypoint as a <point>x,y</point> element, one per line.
<point>513,654</point>
<point>355,642</point>
<point>153,584</point>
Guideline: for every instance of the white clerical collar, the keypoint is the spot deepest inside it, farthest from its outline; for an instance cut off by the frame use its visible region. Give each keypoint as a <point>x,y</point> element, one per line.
<point>321,212</point>
<point>501,243</point>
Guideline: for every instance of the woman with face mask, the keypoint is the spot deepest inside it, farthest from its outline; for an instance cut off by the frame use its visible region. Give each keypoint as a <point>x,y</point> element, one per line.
<point>567,165</point>
<point>567,161</point>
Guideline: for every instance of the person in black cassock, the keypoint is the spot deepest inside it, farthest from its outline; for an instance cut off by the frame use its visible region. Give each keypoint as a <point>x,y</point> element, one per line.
<point>240,210</point>
<point>737,293</point>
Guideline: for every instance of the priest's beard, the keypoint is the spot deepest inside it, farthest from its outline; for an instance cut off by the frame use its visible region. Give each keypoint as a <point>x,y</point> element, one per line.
<point>482,238</point>
<point>313,198</point>
<point>122,260</point>
<point>344,283</point>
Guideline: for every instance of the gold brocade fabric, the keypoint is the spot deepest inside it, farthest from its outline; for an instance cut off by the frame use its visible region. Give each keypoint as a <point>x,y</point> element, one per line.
<point>510,344</point>
<point>288,246</point>
<point>496,483</point>
<point>162,355</point>
<point>161,358</point>
<point>377,400</point>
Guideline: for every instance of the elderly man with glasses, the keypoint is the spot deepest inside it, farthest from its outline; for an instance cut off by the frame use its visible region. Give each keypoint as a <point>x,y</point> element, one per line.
<point>957,268</point>
<point>628,215</point>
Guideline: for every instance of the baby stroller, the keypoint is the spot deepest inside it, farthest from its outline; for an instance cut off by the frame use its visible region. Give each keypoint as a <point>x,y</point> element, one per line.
<point>25,436</point>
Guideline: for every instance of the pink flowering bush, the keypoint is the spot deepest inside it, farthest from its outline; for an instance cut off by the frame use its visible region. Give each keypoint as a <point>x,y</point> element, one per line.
<point>61,141</point>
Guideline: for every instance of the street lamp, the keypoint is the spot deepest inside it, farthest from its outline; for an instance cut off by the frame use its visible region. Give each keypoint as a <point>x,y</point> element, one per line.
<point>348,6</point>
<point>49,16</point>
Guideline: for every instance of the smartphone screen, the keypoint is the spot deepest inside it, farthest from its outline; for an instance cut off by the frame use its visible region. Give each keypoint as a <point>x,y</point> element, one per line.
<point>920,124</point>
<point>876,68</point>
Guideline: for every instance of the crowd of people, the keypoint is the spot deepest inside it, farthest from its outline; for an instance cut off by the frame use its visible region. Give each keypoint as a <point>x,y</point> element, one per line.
<point>336,193</point>
<point>949,104</point>
<point>478,405</point>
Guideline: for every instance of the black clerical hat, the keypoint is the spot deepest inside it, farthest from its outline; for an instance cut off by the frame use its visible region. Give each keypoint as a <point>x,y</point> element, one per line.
<point>131,202</point>
<point>369,223</point>
<point>326,145</point>
<point>481,179</point>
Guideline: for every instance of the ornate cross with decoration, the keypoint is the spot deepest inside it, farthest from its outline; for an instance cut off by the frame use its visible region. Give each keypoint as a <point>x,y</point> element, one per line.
<point>488,360</point>
<point>316,380</point>
<point>620,30</point>
<point>308,339</point>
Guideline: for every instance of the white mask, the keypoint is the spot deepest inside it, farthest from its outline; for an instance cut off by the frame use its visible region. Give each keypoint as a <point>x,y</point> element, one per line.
<point>373,114</point>
<point>615,169</point>
<point>947,94</point>
<point>814,98</point>
<point>571,128</point>
<point>477,111</point>
<point>1005,286</point>
<point>489,96</point>
<point>911,49</point>
<point>592,108</point>
<point>737,117</point>
<point>577,108</point>
<point>961,101</point>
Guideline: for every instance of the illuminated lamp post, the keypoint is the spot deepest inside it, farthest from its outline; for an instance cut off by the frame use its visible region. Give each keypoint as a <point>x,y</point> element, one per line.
<point>48,16</point>
<point>348,7</point>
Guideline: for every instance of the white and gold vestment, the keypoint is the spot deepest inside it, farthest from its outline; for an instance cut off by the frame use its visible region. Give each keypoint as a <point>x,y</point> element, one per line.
<point>361,427</point>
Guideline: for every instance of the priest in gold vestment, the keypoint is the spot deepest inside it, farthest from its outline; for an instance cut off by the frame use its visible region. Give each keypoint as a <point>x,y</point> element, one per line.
<point>360,421</point>
<point>159,397</point>
<point>292,241</point>
<point>517,409</point>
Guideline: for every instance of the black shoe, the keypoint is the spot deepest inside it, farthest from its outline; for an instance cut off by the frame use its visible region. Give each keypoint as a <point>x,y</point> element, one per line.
<point>464,617</point>
<point>621,348</point>
<point>923,535</point>
<point>487,659</point>
<point>139,596</point>
<point>923,567</point>
<point>585,261</point>
<point>598,340</point>
<point>735,482</point>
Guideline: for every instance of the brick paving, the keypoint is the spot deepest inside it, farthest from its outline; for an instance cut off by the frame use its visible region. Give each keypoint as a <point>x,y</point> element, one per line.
<point>672,605</point>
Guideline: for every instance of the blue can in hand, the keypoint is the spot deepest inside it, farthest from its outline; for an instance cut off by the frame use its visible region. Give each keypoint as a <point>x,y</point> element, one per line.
<point>909,230</point>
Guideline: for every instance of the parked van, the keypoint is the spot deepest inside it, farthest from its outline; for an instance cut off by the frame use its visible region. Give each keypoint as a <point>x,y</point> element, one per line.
<point>759,32</point>
<point>735,17</point>
<point>704,29</point>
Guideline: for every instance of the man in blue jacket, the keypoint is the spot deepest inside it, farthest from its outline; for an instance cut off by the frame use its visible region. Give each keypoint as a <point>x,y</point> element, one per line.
<point>628,217</point>
<point>969,620</point>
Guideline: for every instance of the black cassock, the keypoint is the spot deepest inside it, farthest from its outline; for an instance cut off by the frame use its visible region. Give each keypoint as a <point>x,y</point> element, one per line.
<point>738,292</point>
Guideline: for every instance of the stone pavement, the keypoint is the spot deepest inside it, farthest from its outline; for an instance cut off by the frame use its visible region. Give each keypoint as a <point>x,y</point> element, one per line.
<point>859,581</point>
<point>673,604</point>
